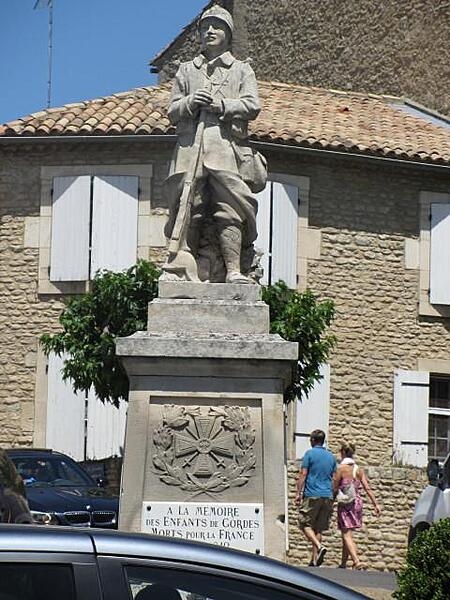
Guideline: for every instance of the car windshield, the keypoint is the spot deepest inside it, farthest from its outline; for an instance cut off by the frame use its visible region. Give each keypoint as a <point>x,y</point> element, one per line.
<point>51,471</point>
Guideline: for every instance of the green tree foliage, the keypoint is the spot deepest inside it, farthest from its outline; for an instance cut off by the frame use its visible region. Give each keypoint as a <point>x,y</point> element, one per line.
<point>426,575</point>
<point>117,304</point>
<point>300,317</point>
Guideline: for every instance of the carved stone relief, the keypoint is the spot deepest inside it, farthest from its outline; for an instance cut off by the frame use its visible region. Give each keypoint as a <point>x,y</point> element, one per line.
<point>204,449</point>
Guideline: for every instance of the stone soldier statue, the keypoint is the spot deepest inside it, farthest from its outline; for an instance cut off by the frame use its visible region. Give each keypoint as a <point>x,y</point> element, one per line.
<point>214,171</point>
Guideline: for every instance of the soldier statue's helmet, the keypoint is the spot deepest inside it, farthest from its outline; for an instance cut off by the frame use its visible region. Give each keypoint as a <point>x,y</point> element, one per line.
<point>218,12</point>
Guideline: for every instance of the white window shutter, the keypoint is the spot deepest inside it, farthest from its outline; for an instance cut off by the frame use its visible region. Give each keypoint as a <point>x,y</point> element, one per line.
<point>263,218</point>
<point>105,428</point>
<point>411,401</point>
<point>440,254</point>
<point>65,413</point>
<point>313,412</point>
<point>277,225</point>
<point>70,229</point>
<point>284,233</point>
<point>114,223</point>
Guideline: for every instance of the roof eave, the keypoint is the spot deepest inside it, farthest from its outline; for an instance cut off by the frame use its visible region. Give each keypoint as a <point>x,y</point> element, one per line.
<point>48,139</point>
<point>257,143</point>
<point>349,154</point>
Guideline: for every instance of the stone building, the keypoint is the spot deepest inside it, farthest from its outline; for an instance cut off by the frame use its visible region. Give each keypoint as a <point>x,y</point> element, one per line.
<point>398,48</point>
<point>357,208</point>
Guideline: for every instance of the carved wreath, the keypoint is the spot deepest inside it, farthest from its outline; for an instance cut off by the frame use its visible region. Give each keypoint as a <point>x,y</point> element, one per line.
<point>208,452</point>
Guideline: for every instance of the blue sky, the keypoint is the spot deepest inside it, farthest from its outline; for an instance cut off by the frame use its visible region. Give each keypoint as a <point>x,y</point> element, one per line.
<point>100,47</point>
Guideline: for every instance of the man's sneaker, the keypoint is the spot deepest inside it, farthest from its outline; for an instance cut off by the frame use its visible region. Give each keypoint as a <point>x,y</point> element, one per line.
<point>321,555</point>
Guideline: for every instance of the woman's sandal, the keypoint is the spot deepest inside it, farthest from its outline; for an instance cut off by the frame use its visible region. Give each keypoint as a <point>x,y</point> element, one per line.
<point>358,566</point>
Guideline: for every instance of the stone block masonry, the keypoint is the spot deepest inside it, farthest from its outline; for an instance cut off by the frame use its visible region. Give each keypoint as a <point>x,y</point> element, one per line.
<point>25,314</point>
<point>364,213</point>
<point>352,45</point>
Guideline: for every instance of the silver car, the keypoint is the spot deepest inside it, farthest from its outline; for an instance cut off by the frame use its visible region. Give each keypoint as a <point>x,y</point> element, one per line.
<point>55,563</point>
<point>434,502</point>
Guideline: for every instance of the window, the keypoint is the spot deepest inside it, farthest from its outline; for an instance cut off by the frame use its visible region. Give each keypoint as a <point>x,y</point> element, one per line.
<point>146,583</point>
<point>78,425</point>
<point>26,581</point>
<point>411,392</point>
<point>50,471</point>
<point>421,417</point>
<point>281,225</point>
<point>313,412</point>
<point>277,232</point>
<point>94,225</point>
<point>434,254</point>
<point>439,418</point>
<point>92,217</point>
<point>440,254</point>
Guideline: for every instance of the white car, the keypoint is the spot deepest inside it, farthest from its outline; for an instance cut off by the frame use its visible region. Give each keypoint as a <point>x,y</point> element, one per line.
<point>434,502</point>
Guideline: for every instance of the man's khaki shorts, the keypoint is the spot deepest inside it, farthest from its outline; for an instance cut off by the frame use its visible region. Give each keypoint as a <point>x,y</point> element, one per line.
<point>315,513</point>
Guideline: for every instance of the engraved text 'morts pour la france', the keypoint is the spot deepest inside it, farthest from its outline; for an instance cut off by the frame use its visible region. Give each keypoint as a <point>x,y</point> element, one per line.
<point>204,449</point>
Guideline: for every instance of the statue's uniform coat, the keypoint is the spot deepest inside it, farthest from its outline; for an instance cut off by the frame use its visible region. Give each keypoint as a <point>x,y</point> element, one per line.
<point>224,149</point>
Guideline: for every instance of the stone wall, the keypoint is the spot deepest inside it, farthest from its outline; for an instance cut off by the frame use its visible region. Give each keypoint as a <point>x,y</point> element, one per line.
<point>365,212</point>
<point>25,315</point>
<point>362,45</point>
<point>382,541</point>
<point>22,316</point>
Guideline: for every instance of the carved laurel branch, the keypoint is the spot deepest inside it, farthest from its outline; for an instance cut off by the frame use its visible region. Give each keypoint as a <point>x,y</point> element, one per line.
<point>237,473</point>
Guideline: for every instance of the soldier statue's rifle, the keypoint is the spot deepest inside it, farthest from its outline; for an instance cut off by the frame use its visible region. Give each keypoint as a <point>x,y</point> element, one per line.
<point>181,260</point>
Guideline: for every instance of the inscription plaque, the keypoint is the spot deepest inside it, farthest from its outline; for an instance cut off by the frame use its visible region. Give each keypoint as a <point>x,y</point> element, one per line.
<point>233,525</point>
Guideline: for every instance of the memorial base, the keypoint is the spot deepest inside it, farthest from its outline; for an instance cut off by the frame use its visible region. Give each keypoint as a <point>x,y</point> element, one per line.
<point>205,445</point>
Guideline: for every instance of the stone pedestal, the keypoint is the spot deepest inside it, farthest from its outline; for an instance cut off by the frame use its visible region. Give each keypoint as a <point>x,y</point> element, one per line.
<point>205,448</point>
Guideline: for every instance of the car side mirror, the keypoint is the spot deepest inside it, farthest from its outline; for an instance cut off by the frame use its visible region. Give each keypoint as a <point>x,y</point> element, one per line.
<point>102,482</point>
<point>434,472</point>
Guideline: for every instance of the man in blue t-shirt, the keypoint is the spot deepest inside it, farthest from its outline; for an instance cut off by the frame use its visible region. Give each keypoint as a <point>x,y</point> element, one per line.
<point>315,494</point>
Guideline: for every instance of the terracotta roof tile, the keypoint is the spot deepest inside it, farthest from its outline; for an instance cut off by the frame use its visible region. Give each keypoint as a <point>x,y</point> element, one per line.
<point>292,115</point>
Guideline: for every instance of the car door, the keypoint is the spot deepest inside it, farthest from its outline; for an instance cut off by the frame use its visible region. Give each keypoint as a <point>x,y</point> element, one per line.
<point>135,579</point>
<point>48,576</point>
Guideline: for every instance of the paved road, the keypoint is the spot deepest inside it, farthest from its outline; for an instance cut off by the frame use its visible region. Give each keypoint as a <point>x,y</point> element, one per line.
<point>357,579</point>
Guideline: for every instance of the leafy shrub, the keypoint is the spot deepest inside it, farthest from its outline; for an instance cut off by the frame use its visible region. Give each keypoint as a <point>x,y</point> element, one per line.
<point>117,305</point>
<point>426,575</point>
<point>300,317</point>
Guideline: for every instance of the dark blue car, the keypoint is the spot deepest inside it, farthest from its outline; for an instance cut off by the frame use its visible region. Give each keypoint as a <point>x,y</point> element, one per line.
<point>60,492</point>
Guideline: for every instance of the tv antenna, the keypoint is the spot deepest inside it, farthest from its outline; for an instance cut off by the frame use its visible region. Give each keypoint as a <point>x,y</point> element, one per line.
<point>48,4</point>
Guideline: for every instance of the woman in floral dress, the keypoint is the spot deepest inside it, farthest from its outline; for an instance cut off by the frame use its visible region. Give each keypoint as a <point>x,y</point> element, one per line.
<point>349,516</point>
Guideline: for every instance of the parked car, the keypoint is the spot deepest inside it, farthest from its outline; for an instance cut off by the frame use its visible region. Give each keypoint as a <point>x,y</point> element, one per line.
<point>50,563</point>
<point>434,502</point>
<point>60,492</point>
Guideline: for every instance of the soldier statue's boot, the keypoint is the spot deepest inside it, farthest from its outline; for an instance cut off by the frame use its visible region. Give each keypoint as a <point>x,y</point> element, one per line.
<point>230,244</point>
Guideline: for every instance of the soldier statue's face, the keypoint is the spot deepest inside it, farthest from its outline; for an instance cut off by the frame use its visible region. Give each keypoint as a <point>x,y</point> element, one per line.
<point>215,36</point>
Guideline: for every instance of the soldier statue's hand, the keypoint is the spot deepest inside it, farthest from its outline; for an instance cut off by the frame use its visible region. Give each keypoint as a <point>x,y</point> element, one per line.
<point>201,99</point>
